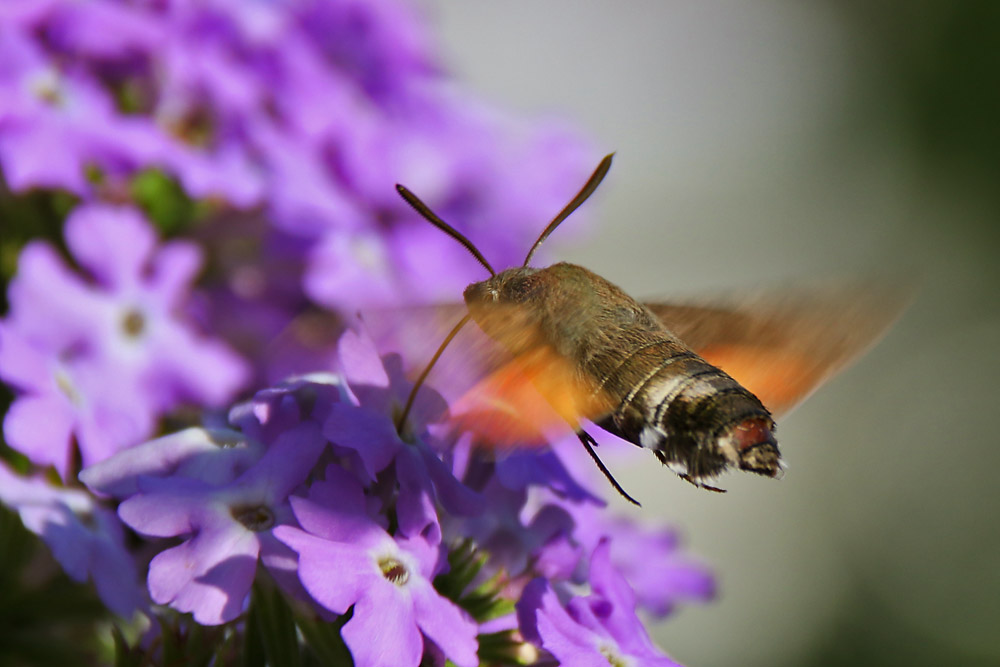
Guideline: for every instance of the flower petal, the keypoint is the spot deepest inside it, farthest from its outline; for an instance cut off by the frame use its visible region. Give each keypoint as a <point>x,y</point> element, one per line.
<point>112,242</point>
<point>174,506</point>
<point>371,435</point>
<point>335,574</point>
<point>22,364</point>
<point>360,361</point>
<point>383,630</point>
<point>447,625</point>
<point>215,456</point>
<point>209,575</point>
<point>40,427</point>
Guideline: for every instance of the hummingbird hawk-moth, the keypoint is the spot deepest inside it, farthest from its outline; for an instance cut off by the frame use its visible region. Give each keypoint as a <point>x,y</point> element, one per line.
<point>699,385</point>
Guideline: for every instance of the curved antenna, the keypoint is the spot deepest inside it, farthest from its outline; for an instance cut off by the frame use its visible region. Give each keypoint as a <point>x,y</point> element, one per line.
<point>432,218</point>
<point>401,421</point>
<point>581,196</point>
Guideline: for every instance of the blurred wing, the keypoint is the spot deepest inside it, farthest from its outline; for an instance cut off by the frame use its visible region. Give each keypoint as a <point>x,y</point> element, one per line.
<point>493,394</point>
<point>783,345</point>
<point>526,402</point>
<point>416,332</point>
<point>506,400</point>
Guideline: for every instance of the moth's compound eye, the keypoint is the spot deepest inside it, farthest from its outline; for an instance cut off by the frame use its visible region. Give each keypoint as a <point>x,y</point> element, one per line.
<point>520,290</point>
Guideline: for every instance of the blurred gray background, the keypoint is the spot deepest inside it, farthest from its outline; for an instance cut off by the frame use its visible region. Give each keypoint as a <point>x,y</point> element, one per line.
<point>782,141</point>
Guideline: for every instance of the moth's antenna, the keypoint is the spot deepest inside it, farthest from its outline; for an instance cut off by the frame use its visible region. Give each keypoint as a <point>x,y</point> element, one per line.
<point>401,421</point>
<point>588,189</point>
<point>432,218</point>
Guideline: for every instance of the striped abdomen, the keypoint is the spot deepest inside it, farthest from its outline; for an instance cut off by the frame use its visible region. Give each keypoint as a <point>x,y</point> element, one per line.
<point>696,418</point>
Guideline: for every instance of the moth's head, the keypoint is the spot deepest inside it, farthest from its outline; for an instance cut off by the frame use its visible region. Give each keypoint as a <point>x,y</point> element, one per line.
<point>507,288</point>
<point>503,306</point>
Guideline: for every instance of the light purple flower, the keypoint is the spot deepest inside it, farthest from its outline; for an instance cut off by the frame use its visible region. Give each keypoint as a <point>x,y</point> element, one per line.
<point>84,537</point>
<point>382,44</point>
<point>516,542</point>
<point>98,29</point>
<point>353,270</point>
<point>45,111</point>
<point>62,401</point>
<point>380,390</point>
<point>304,194</point>
<point>277,409</point>
<point>108,356</point>
<point>347,560</point>
<point>294,121</point>
<point>591,631</point>
<point>227,527</point>
<point>213,456</point>
<point>650,557</point>
<point>143,292</point>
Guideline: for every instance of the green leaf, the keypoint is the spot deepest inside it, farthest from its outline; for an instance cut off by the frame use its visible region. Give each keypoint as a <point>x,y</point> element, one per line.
<point>271,618</point>
<point>187,644</point>
<point>464,564</point>
<point>324,641</point>
<point>484,602</point>
<point>16,545</point>
<point>503,648</point>
<point>163,200</point>
<point>254,654</point>
<point>125,656</point>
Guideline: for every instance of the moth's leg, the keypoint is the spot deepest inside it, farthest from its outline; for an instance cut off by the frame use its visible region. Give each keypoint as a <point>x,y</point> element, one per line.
<point>589,443</point>
<point>700,485</point>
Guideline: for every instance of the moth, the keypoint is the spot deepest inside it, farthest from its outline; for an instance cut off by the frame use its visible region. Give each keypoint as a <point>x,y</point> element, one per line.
<point>699,385</point>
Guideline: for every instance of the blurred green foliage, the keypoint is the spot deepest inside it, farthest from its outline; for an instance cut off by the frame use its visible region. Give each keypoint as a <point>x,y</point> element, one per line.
<point>45,618</point>
<point>934,72</point>
<point>930,71</point>
<point>867,632</point>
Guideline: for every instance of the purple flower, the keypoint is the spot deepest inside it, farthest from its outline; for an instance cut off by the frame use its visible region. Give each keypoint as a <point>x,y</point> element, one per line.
<point>380,391</point>
<point>650,558</point>
<point>380,43</point>
<point>352,270</point>
<point>516,541</point>
<point>271,411</point>
<point>213,456</point>
<point>63,400</point>
<point>227,527</point>
<point>294,121</point>
<point>348,560</point>
<point>45,112</point>
<point>99,29</point>
<point>106,357</point>
<point>591,631</point>
<point>144,289</point>
<point>380,385</point>
<point>304,194</point>
<point>85,538</point>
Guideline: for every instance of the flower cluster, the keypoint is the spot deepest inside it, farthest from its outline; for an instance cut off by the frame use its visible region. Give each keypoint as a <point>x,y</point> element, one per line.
<point>307,112</point>
<point>196,195</point>
<point>98,359</point>
<point>315,483</point>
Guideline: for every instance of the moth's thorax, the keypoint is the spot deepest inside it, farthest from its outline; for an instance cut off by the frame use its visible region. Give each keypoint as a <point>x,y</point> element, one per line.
<point>574,311</point>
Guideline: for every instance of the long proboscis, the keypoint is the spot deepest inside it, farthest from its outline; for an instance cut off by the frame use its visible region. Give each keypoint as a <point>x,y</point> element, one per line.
<point>401,421</point>
<point>582,196</point>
